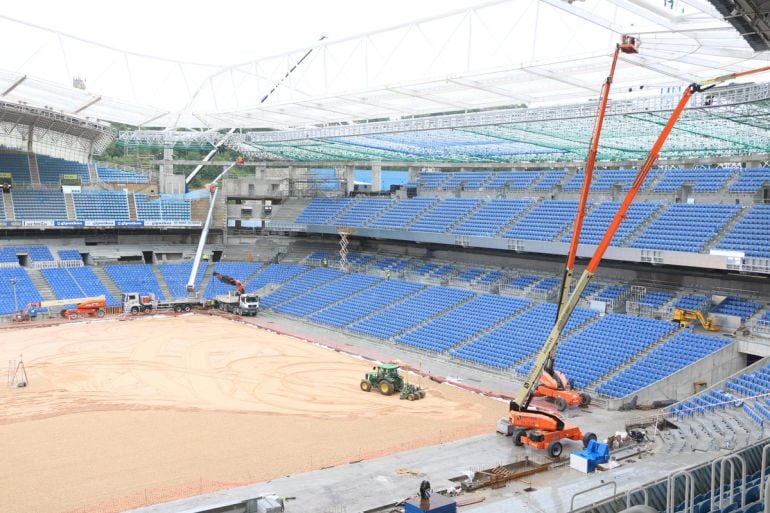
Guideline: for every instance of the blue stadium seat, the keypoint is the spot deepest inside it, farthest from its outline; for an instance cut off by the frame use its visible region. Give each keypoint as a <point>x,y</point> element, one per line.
<point>15,298</point>
<point>545,221</point>
<point>38,204</point>
<point>403,213</point>
<point>51,169</point>
<point>750,234</point>
<point>442,216</point>
<point>488,220</point>
<point>685,227</point>
<point>18,165</point>
<point>95,204</point>
<point>323,295</point>
<point>110,174</point>
<point>176,276</point>
<point>135,278</point>
<point>241,271</point>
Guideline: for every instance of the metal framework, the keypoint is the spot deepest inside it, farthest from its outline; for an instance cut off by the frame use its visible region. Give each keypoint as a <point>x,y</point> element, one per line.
<point>491,54</point>
<point>731,120</point>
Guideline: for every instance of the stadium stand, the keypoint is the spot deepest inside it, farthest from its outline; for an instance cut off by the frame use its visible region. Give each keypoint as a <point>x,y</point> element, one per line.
<point>403,213</point>
<point>96,204</point>
<point>442,216</point>
<point>38,204</point>
<point>135,278</point>
<point>70,255</point>
<point>35,253</point>
<point>549,180</point>
<point>514,180</point>
<point>614,339</point>
<point>672,355</point>
<point>492,217</point>
<point>109,174</point>
<point>76,282</point>
<point>299,285</point>
<point>692,302</point>
<point>162,208</point>
<point>458,324</point>
<point>733,305</point>
<point>702,180</point>
<point>751,179</point>
<point>364,211</point>
<point>432,180</point>
<point>241,271</point>
<point>467,179</point>
<point>273,274</point>
<point>599,218</point>
<point>15,298</point>
<point>324,295</point>
<point>18,165</point>
<point>412,311</point>
<point>177,274</point>
<point>545,221</point>
<point>750,234</point>
<point>51,169</point>
<point>519,337</point>
<point>364,303</point>
<point>655,298</point>
<point>685,227</point>
<point>323,210</point>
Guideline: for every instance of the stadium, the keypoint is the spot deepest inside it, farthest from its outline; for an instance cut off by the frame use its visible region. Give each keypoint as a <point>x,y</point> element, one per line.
<point>489,256</point>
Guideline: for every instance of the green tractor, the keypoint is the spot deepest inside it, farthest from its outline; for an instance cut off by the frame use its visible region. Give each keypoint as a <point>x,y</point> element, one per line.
<point>386,379</point>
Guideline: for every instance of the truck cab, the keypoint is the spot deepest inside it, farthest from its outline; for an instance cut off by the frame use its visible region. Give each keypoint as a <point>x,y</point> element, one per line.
<point>134,302</point>
<point>249,304</point>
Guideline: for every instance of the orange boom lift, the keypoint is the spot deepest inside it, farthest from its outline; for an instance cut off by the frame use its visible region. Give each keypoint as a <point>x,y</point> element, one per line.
<point>544,430</point>
<point>554,385</point>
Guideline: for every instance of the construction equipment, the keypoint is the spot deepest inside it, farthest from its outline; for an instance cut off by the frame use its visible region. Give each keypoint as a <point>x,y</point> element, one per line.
<point>135,303</point>
<point>685,317</point>
<point>554,385</point>
<point>546,428</point>
<point>387,380</point>
<point>236,301</point>
<point>91,306</point>
<point>85,305</point>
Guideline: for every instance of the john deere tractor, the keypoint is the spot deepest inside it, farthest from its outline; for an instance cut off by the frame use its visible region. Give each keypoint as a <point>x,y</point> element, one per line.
<point>386,379</point>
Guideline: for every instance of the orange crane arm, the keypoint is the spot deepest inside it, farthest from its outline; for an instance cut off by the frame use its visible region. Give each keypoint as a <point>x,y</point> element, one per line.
<point>524,396</point>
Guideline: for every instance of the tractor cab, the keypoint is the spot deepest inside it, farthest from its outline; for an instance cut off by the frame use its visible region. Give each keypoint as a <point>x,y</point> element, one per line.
<point>384,377</point>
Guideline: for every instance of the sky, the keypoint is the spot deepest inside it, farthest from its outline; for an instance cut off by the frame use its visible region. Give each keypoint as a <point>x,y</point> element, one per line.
<point>222,32</point>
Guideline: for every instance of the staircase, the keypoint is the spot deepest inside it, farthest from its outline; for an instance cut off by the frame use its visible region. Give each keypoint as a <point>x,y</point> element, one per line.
<point>161,282</point>
<point>70,204</point>
<point>41,284</point>
<point>34,173</point>
<point>207,275</point>
<point>459,221</point>
<point>342,212</point>
<point>724,231</point>
<point>8,207</point>
<point>639,229</point>
<point>93,176</point>
<point>110,285</point>
<point>568,229</point>
<point>378,310</point>
<point>424,211</point>
<point>729,182</point>
<point>131,207</point>
<point>434,316</point>
<point>516,219</point>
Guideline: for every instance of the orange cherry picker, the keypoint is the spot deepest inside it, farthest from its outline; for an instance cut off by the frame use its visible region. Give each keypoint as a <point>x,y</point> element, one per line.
<point>544,430</point>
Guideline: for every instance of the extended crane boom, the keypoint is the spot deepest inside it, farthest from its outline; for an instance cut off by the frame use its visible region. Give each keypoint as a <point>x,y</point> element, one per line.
<point>524,396</point>
<point>230,281</point>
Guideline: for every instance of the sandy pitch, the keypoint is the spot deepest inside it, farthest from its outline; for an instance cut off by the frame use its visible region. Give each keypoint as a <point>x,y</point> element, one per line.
<point>162,407</point>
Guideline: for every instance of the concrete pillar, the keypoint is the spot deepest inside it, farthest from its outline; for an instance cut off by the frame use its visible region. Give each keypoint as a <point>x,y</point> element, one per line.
<point>30,137</point>
<point>414,173</point>
<point>348,175</point>
<point>376,177</point>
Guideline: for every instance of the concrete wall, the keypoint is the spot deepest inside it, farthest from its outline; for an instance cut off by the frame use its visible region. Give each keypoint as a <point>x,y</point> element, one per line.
<point>678,386</point>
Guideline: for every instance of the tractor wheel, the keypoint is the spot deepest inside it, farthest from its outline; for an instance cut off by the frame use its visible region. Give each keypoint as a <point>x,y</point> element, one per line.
<point>365,385</point>
<point>587,438</point>
<point>134,310</point>
<point>561,403</point>
<point>585,400</point>
<point>422,394</point>
<point>386,388</point>
<point>177,308</point>
<point>100,313</point>
<point>73,316</point>
<point>410,396</point>
<point>517,436</point>
<point>554,449</point>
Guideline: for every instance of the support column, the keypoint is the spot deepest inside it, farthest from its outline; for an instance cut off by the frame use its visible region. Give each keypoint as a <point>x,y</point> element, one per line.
<point>414,173</point>
<point>348,174</point>
<point>167,169</point>
<point>30,136</point>
<point>376,177</point>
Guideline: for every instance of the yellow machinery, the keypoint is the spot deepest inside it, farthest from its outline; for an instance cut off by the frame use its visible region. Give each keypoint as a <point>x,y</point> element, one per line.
<point>686,317</point>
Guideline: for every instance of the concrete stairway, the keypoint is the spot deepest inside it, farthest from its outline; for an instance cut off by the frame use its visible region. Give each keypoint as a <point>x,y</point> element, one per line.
<point>8,207</point>
<point>639,229</point>
<point>131,207</point>
<point>462,218</point>
<point>724,231</point>
<point>41,284</point>
<point>93,176</point>
<point>434,316</point>
<point>161,282</point>
<point>207,276</point>
<point>110,285</point>
<point>34,172</point>
<point>516,219</point>
<point>69,202</point>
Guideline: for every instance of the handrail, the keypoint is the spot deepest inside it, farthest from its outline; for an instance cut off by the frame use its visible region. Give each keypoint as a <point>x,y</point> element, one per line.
<point>614,485</point>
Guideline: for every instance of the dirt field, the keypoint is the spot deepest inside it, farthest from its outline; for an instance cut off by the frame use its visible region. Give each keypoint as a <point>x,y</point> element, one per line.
<point>119,414</point>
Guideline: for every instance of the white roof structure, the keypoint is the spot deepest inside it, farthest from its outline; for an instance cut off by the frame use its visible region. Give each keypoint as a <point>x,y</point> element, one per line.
<point>494,54</point>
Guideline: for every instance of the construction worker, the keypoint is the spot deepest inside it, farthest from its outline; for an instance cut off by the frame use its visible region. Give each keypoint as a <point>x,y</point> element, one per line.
<point>325,262</point>
<point>388,274</point>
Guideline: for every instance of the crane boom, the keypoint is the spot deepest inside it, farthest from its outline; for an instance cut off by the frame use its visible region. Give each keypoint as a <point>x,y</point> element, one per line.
<point>524,396</point>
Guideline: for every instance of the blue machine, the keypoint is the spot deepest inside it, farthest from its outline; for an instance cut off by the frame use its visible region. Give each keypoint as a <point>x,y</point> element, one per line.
<point>594,454</point>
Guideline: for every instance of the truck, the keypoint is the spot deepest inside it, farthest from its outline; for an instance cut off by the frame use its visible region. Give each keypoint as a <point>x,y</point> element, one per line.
<point>238,303</point>
<point>135,303</point>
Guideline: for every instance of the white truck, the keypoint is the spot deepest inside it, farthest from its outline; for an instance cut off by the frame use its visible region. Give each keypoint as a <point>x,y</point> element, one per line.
<point>237,303</point>
<point>135,303</point>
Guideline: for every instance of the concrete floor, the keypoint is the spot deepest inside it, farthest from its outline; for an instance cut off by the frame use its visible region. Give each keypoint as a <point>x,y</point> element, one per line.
<point>377,482</point>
